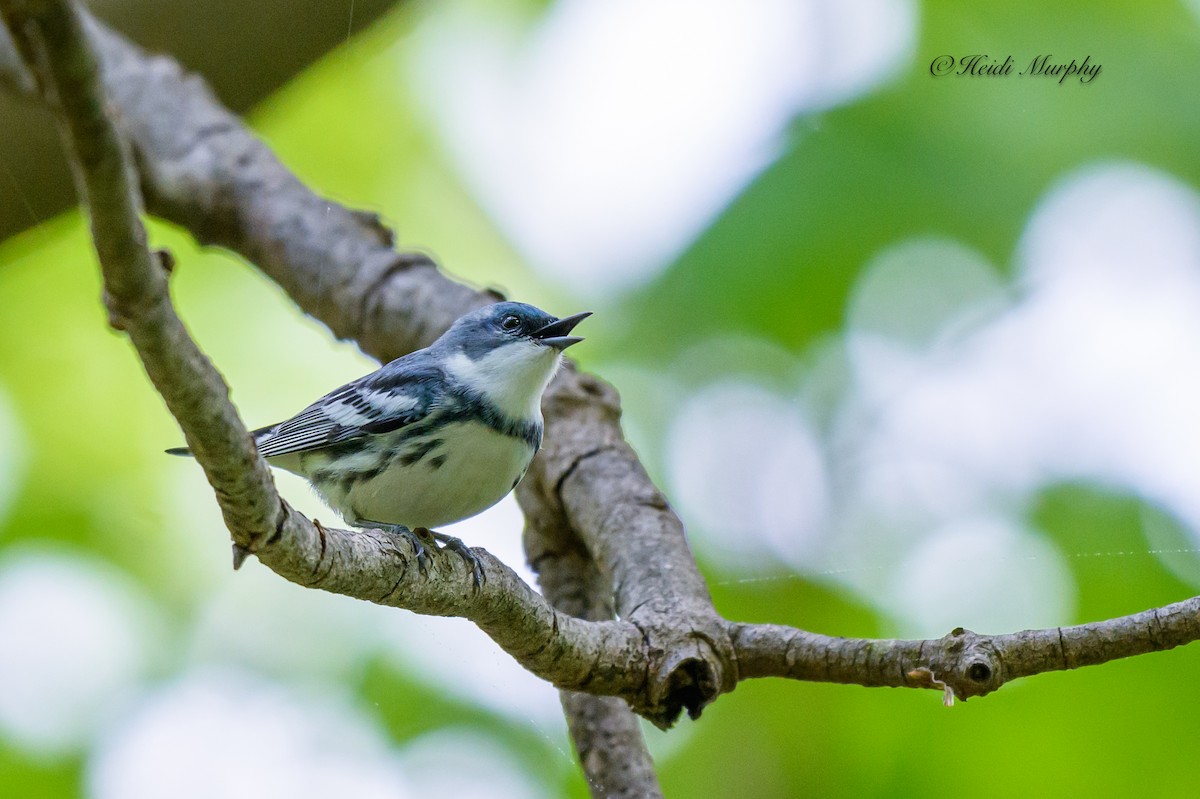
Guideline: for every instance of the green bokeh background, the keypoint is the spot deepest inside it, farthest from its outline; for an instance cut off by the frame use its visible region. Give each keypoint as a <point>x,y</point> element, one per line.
<point>962,158</point>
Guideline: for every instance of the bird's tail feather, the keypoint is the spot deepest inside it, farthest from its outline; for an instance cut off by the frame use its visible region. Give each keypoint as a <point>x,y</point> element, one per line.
<point>186,452</point>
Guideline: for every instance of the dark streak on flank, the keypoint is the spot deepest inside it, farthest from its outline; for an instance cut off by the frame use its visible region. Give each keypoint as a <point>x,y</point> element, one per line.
<point>437,461</point>
<point>420,450</point>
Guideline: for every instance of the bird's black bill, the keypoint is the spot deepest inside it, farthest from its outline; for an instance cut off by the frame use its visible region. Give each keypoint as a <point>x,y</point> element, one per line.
<point>556,333</point>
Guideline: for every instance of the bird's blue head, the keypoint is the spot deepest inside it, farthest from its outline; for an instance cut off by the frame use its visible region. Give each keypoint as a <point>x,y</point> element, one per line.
<point>508,352</point>
<point>507,323</point>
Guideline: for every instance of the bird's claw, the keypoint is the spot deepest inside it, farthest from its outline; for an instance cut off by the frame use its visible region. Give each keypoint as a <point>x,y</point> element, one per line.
<point>419,544</point>
<point>455,545</point>
<point>422,540</point>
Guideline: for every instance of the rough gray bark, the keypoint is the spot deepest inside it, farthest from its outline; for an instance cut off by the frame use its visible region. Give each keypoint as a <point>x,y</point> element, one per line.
<point>962,663</point>
<point>597,529</point>
<point>203,170</point>
<point>365,564</point>
<point>607,737</point>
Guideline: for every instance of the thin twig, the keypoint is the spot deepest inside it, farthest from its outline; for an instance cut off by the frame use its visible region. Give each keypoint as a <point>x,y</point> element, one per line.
<point>967,663</point>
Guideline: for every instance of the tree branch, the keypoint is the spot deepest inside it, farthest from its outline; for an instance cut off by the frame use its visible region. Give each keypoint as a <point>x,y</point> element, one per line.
<point>50,38</point>
<point>590,480</point>
<point>606,734</point>
<point>594,519</point>
<point>606,657</point>
<point>962,663</point>
<point>368,564</point>
<point>202,169</point>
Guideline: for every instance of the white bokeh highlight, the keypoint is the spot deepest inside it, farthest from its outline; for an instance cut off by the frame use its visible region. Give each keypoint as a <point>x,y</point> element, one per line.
<point>453,656</point>
<point>904,462</point>
<point>1093,374</point>
<point>1089,372</point>
<point>229,733</point>
<point>224,733</point>
<point>748,474</point>
<point>464,764</point>
<point>77,642</point>
<point>924,291</point>
<point>607,137</point>
<point>988,575</point>
<point>260,622</point>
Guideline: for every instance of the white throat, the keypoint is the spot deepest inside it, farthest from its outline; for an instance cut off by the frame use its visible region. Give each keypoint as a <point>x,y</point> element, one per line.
<point>512,377</point>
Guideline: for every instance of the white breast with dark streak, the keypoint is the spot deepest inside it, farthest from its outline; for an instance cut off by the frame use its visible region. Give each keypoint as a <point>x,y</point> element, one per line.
<point>463,469</point>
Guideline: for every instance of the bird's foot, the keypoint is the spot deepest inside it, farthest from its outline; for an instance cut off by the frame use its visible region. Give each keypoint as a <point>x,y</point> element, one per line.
<point>419,539</point>
<point>423,540</point>
<point>456,546</point>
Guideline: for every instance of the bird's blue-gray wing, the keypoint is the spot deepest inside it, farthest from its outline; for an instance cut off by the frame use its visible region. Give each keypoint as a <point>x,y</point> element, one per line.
<point>394,397</point>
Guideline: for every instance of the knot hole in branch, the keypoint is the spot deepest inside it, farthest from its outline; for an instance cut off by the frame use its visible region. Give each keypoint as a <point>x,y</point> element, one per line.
<point>979,672</point>
<point>690,686</point>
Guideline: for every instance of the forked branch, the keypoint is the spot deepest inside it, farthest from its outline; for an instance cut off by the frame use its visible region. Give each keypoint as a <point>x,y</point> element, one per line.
<point>594,519</point>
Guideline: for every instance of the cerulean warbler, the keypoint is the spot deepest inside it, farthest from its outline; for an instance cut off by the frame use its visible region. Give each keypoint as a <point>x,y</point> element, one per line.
<point>435,436</point>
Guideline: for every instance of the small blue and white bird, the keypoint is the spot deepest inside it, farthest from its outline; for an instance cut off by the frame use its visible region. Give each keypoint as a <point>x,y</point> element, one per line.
<point>435,436</point>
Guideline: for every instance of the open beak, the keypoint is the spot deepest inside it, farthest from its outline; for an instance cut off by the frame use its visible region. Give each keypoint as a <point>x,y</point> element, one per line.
<point>556,333</point>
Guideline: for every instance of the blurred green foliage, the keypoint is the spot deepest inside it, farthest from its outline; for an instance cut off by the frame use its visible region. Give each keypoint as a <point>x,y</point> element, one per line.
<point>959,157</point>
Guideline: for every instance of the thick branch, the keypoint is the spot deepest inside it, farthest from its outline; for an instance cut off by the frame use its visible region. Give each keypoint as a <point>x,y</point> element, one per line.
<point>202,169</point>
<point>607,735</point>
<point>605,657</point>
<point>590,480</point>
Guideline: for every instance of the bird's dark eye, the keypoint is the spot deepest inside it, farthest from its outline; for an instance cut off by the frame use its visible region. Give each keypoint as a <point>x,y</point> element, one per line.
<point>510,322</point>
